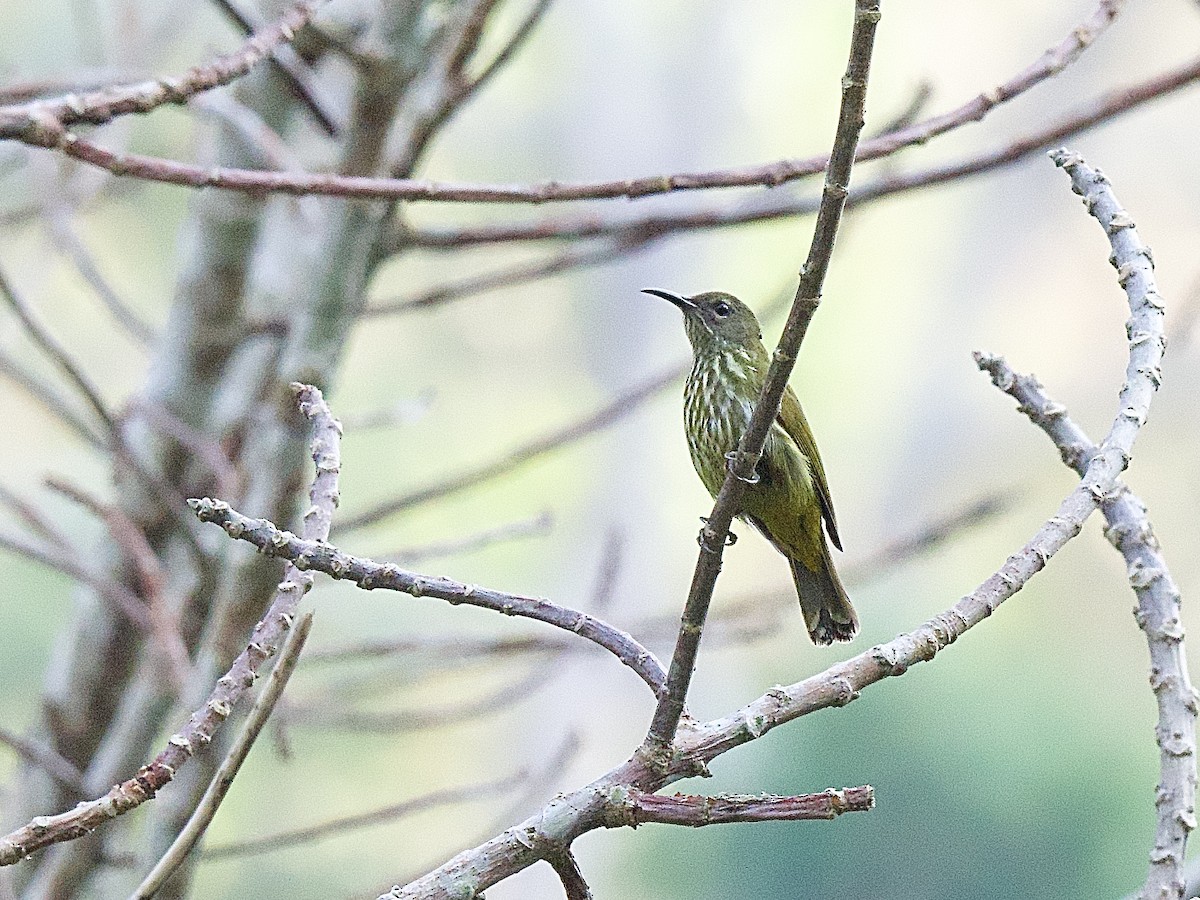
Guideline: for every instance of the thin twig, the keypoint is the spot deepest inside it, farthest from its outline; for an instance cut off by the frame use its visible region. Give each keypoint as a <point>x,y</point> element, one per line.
<point>47,759</point>
<point>65,560</point>
<point>567,260</point>
<point>750,447</point>
<point>620,407</point>
<point>267,843</point>
<point>288,63</point>
<point>934,533</point>
<point>42,122</point>
<point>1099,111</point>
<point>150,572</point>
<point>201,818</point>
<point>56,352</point>
<point>51,401</point>
<point>321,557</point>
<point>771,174</point>
<point>73,246</point>
<point>534,526</point>
<point>203,723</point>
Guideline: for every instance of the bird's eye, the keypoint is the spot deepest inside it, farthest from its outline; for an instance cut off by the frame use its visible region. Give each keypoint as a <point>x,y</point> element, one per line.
<point>722,310</point>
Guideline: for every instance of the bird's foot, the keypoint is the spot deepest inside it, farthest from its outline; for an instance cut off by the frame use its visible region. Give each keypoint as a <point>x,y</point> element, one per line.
<point>730,459</point>
<point>730,537</point>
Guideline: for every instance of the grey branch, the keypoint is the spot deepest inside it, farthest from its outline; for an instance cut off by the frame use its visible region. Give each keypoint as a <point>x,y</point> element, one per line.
<point>322,557</point>
<point>1130,531</point>
<point>634,807</point>
<point>203,815</point>
<point>1102,109</point>
<point>1128,527</point>
<point>47,759</point>
<point>266,637</point>
<point>291,67</point>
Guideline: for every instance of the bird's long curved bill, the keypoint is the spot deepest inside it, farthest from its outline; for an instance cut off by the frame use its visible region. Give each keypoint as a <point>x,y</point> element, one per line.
<point>682,302</point>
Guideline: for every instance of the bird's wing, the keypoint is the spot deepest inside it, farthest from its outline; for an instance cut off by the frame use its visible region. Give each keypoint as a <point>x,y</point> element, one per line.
<point>791,419</point>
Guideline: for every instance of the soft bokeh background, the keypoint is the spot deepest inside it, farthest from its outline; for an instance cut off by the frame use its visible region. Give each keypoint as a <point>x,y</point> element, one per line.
<point>1020,763</point>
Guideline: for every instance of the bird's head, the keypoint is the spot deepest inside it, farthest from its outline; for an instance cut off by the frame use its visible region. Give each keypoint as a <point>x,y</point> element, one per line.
<point>715,320</point>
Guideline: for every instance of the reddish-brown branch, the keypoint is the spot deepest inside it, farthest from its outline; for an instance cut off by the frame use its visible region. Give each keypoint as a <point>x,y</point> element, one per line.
<point>636,807</point>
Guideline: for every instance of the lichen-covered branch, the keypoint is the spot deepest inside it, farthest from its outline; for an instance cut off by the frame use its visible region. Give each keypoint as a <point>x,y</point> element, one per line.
<point>1128,526</point>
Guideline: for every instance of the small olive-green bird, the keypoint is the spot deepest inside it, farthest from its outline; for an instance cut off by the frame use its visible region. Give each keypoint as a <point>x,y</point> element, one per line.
<point>790,500</point>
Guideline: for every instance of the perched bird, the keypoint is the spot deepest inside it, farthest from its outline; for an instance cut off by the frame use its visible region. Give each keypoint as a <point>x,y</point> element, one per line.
<point>790,498</point>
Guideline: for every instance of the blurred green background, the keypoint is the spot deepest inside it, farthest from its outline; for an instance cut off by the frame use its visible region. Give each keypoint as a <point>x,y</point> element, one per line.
<point>1020,763</point>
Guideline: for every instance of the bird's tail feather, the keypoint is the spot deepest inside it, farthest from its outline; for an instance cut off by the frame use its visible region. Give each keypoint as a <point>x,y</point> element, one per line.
<point>827,610</point>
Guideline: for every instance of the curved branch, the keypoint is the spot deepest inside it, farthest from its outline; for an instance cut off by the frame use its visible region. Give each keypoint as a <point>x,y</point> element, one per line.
<point>1128,527</point>
<point>322,557</point>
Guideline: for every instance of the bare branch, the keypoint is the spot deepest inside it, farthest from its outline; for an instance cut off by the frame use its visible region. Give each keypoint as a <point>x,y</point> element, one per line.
<point>534,526</point>
<point>771,174</point>
<point>470,793</point>
<point>1128,527</point>
<point>1158,616</point>
<point>766,409</point>
<point>202,817</point>
<point>368,575</point>
<point>73,246</point>
<point>203,723</point>
<point>45,758</point>
<point>51,401</point>
<point>1104,108</point>
<point>931,534</point>
<point>65,560</point>
<point>43,122</point>
<point>565,261</point>
<point>567,869</point>
<point>151,575</point>
<point>633,807</point>
<point>56,352</point>
<point>289,65</point>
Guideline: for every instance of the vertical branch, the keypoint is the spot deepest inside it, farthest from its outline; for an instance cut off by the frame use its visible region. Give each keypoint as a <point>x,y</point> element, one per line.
<point>567,869</point>
<point>217,789</point>
<point>1158,597</point>
<point>808,295</point>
